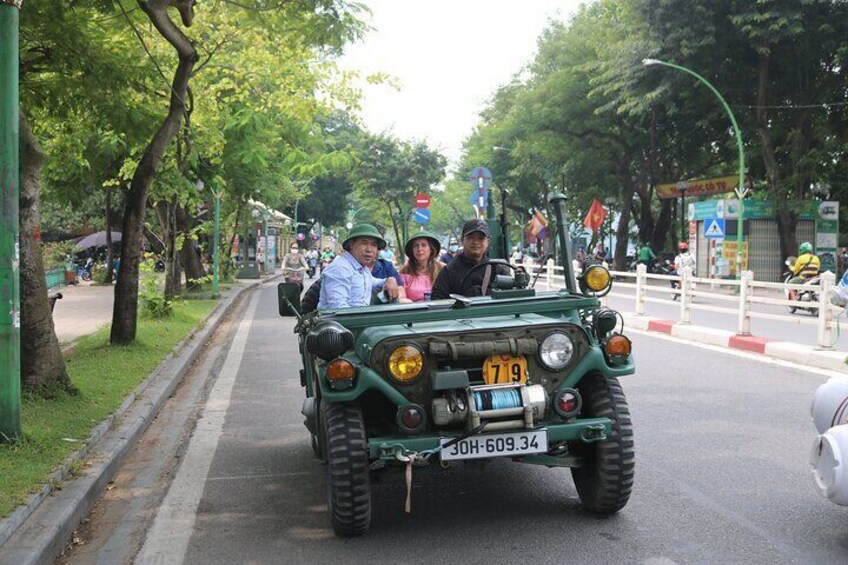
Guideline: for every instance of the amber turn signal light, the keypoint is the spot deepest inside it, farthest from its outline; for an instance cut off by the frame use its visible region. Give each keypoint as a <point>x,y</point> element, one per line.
<point>340,370</point>
<point>617,346</point>
<point>596,279</point>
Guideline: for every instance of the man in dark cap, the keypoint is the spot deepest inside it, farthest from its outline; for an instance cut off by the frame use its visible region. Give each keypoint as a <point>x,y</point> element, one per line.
<point>347,281</point>
<point>475,244</point>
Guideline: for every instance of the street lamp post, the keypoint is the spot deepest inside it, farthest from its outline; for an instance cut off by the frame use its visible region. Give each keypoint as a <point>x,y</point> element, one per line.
<point>216,195</point>
<point>10,326</point>
<point>681,188</point>
<point>741,191</point>
<point>265,215</point>
<point>609,201</point>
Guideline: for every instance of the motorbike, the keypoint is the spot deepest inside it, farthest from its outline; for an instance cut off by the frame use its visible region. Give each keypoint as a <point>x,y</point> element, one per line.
<point>294,276</point>
<point>809,296</point>
<point>667,268</point>
<point>313,266</point>
<point>84,270</point>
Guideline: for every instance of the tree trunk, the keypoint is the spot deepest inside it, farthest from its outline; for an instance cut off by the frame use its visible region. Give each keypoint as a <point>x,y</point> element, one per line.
<point>395,228</point>
<point>42,365</point>
<point>108,235</point>
<point>189,253</point>
<point>622,231</point>
<point>661,226</point>
<point>125,312</point>
<point>173,272</point>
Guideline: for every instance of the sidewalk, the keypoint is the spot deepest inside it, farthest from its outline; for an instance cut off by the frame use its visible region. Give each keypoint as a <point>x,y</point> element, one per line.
<point>83,309</point>
<point>37,531</point>
<point>775,349</point>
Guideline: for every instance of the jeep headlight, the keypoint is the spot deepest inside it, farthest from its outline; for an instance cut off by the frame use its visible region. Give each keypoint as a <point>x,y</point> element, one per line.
<point>556,351</point>
<point>405,363</point>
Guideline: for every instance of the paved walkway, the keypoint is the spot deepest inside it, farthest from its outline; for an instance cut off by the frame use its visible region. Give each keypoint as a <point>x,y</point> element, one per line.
<point>83,309</point>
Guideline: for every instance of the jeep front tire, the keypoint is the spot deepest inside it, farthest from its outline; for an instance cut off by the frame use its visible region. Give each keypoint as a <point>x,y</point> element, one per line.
<point>605,479</point>
<point>348,480</point>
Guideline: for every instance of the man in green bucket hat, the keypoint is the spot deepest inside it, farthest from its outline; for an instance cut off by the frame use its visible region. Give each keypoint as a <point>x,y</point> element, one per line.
<point>347,282</point>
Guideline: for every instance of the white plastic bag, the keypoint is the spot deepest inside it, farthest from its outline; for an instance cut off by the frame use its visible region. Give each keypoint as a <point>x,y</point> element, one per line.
<point>840,291</point>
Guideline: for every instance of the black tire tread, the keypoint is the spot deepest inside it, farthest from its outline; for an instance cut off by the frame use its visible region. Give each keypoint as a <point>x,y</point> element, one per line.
<point>605,482</point>
<point>348,475</point>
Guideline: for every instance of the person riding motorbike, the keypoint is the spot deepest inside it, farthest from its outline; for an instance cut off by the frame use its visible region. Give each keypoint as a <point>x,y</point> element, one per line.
<point>647,257</point>
<point>327,257</point>
<point>294,265</point>
<point>806,266</point>
<point>682,260</point>
<point>312,261</point>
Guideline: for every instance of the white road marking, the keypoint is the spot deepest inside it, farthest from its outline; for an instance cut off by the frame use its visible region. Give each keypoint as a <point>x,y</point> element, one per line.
<point>265,476</point>
<point>167,540</point>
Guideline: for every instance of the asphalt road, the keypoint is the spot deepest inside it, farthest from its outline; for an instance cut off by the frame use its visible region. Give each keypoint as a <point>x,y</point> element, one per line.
<point>722,477</point>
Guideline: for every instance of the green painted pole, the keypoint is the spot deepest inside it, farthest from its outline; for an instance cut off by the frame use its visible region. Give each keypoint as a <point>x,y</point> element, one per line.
<point>740,190</point>
<point>10,303</point>
<point>216,245</point>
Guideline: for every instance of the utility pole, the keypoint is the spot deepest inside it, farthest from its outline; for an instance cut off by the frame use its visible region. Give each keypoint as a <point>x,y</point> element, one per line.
<point>10,301</point>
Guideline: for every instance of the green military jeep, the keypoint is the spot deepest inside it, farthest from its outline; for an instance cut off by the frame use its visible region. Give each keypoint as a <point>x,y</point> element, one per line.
<point>519,373</point>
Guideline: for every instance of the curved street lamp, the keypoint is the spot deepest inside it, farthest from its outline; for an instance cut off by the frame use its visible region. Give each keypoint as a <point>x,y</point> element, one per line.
<point>741,191</point>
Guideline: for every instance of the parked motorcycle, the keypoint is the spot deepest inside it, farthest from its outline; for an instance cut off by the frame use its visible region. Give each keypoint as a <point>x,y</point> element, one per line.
<point>804,295</point>
<point>84,270</point>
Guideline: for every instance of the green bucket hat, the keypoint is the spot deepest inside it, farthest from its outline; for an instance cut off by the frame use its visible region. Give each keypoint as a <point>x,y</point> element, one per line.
<point>407,249</point>
<point>364,230</point>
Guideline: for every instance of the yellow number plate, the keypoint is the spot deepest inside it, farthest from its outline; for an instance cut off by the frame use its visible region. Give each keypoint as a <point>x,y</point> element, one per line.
<point>505,369</point>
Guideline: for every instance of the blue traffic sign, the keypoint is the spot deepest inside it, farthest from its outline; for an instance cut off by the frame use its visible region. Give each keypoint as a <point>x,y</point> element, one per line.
<point>714,228</point>
<point>475,198</point>
<point>422,215</point>
<point>481,177</point>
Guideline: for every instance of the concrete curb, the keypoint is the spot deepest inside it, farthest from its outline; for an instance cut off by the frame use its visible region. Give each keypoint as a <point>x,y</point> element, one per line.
<point>783,350</point>
<point>38,531</point>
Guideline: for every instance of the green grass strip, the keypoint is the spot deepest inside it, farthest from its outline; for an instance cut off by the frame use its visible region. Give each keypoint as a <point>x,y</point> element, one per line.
<point>104,375</point>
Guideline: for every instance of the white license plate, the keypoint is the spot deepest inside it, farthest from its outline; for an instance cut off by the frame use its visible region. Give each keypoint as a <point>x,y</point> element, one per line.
<point>496,445</point>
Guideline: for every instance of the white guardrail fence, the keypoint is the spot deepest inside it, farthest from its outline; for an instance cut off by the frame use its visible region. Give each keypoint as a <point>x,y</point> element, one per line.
<point>739,295</point>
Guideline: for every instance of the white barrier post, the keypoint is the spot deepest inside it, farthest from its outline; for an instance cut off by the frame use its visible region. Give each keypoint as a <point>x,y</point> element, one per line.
<point>824,340</point>
<point>641,281</point>
<point>743,326</point>
<point>549,273</point>
<point>685,297</point>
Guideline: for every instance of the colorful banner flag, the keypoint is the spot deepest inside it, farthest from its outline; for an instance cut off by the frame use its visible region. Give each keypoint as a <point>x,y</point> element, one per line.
<point>538,225</point>
<point>596,216</point>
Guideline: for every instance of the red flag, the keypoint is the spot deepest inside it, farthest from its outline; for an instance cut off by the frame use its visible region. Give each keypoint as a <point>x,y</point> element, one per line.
<point>596,216</point>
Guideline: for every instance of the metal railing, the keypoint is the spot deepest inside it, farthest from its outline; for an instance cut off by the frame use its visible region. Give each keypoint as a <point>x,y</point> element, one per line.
<point>739,295</point>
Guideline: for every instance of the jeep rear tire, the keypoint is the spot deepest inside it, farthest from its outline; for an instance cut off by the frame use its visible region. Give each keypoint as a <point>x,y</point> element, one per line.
<point>348,480</point>
<point>605,480</point>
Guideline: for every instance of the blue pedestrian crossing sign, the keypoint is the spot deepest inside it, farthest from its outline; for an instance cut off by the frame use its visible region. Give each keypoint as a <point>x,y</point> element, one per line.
<point>714,228</point>
<point>422,215</point>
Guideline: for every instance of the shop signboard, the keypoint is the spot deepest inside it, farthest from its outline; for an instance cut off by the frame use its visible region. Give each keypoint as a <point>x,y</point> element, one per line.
<point>827,234</point>
<point>728,255</point>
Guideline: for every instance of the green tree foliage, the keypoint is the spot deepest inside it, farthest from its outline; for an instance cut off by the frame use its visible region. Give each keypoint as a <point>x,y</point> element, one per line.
<point>393,172</point>
<point>589,116</point>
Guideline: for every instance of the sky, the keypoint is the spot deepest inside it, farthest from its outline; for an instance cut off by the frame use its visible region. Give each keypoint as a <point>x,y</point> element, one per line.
<point>449,56</point>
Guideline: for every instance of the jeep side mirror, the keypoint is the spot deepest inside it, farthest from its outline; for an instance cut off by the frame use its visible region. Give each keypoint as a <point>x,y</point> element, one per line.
<point>288,299</point>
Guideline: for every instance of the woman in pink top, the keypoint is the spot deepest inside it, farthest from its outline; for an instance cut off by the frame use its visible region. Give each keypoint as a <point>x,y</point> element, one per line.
<point>422,265</point>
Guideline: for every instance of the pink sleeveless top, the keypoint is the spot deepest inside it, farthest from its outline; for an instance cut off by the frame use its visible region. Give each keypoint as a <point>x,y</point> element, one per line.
<point>415,286</point>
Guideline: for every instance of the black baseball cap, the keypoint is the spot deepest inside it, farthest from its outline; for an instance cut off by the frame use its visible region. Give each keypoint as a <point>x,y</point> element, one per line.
<point>475,225</point>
